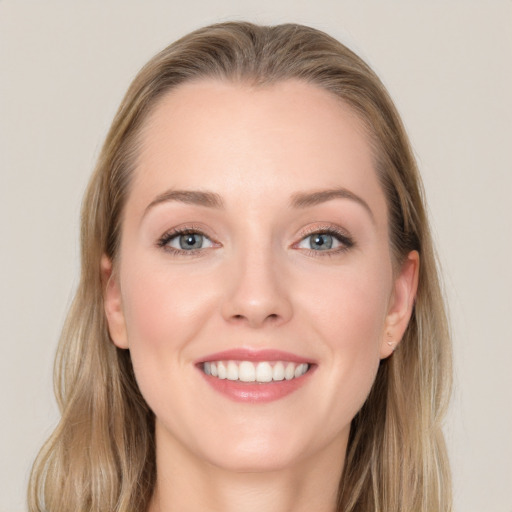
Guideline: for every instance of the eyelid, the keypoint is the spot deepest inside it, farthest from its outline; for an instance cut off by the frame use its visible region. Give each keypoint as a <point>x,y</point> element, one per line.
<point>183,230</point>
<point>346,240</point>
<point>176,239</point>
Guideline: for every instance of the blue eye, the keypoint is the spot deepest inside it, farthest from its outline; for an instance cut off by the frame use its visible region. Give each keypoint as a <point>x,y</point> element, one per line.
<point>321,241</point>
<point>324,241</point>
<point>188,241</point>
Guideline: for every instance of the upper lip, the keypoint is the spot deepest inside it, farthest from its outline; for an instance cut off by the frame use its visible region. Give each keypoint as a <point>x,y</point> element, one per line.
<point>246,354</point>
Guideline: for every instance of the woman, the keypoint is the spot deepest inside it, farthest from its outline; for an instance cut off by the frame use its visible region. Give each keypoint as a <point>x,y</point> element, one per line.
<point>259,323</point>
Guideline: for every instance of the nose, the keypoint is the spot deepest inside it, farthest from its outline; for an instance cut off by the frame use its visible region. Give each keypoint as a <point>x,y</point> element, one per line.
<point>258,293</point>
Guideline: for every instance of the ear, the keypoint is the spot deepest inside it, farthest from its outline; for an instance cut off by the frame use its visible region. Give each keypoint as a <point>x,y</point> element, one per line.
<point>113,304</point>
<point>401,304</point>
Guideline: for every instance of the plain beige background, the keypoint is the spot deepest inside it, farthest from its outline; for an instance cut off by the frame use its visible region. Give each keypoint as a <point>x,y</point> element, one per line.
<point>64,67</point>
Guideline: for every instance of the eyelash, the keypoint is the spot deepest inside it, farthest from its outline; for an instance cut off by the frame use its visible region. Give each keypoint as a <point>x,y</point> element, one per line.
<point>346,241</point>
<point>175,232</point>
<point>342,237</point>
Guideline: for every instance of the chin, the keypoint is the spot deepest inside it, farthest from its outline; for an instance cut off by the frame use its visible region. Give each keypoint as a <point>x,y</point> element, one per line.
<point>248,460</point>
<point>262,449</point>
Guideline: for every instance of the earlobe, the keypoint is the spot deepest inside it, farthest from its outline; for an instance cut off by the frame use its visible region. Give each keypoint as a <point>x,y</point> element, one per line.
<point>112,304</point>
<point>401,304</point>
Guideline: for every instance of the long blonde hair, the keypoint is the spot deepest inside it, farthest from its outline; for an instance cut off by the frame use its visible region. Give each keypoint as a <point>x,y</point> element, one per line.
<point>101,456</point>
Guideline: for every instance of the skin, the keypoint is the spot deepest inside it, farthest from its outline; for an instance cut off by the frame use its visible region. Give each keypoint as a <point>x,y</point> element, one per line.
<point>256,283</point>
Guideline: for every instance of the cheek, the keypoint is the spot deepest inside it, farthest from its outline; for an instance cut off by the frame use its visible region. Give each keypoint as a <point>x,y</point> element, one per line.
<point>361,317</point>
<point>162,309</point>
<point>349,316</point>
<point>163,312</point>
<point>350,305</point>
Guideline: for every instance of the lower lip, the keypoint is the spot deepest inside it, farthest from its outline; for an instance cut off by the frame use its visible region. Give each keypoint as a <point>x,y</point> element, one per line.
<point>254,392</point>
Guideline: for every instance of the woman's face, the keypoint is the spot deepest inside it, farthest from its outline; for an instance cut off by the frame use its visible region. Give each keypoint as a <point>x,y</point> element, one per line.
<point>255,239</point>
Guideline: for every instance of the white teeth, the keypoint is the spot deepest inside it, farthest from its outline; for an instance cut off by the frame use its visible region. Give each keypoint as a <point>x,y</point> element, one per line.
<point>300,370</point>
<point>247,371</point>
<point>289,372</point>
<point>278,371</point>
<point>221,370</point>
<point>264,372</point>
<point>232,372</point>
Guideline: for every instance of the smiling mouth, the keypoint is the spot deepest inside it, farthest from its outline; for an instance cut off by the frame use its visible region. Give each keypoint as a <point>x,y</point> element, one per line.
<point>260,372</point>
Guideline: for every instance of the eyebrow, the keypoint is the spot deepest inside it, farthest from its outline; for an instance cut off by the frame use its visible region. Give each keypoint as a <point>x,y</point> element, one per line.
<point>298,200</point>
<point>307,199</point>
<point>197,197</point>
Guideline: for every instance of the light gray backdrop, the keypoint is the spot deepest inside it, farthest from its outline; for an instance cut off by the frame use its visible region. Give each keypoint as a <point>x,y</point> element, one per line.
<point>64,67</point>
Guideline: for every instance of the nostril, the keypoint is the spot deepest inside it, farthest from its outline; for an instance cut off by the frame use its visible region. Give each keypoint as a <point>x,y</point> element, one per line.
<point>273,317</point>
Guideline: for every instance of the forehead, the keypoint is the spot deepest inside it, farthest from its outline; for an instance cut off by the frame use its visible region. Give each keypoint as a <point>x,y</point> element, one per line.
<point>235,138</point>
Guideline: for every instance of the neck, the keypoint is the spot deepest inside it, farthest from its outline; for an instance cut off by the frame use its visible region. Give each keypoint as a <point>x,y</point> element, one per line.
<point>187,484</point>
